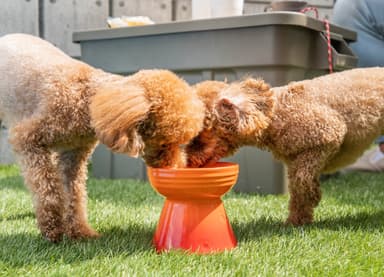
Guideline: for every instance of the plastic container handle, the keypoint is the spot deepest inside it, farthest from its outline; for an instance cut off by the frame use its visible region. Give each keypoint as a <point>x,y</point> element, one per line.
<point>343,56</point>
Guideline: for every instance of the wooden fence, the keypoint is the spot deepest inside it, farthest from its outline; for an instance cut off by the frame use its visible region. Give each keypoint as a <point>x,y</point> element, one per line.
<point>55,20</point>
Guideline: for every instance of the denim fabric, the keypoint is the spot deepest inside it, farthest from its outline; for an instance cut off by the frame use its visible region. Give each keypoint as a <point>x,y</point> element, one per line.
<point>380,140</point>
<point>366,17</point>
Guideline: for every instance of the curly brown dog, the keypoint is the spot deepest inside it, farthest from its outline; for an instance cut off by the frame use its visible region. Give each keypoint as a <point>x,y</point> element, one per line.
<point>313,126</point>
<point>235,114</point>
<point>57,108</point>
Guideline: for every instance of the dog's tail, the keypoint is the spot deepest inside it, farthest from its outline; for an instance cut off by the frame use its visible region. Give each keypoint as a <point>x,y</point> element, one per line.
<point>116,112</point>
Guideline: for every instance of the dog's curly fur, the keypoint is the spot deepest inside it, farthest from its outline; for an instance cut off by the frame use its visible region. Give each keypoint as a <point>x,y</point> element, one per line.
<point>235,115</point>
<point>57,108</point>
<point>314,126</point>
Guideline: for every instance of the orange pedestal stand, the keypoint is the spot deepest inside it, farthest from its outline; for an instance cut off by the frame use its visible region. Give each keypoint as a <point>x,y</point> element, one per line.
<point>193,217</point>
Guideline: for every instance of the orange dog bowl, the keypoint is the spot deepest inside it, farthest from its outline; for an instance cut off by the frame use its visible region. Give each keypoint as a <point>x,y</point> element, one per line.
<point>193,217</point>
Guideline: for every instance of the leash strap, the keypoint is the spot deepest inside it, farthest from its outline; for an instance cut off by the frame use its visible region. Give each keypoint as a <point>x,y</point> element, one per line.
<point>327,33</point>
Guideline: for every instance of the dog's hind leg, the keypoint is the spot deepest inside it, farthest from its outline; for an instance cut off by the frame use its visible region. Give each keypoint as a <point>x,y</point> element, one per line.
<point>73,168</point>
<point>40,176</point>
<point>304,187</point>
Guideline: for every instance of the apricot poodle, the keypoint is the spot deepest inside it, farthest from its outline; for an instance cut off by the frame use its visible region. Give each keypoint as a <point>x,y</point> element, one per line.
<point>314,126</point>
<point>58,108</point>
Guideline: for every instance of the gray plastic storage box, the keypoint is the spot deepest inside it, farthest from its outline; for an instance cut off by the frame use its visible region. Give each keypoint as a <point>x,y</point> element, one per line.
<point>279,47</point>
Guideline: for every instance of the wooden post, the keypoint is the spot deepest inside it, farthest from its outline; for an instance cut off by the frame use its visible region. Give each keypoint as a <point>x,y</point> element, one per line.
<point>157,10</point>
<point>183,10</point>
<point>20,16</point>
<point>62,17</point>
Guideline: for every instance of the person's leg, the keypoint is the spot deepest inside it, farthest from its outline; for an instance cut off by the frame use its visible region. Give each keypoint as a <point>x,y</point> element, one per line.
<point>380,140</point>
<point>366,17</point>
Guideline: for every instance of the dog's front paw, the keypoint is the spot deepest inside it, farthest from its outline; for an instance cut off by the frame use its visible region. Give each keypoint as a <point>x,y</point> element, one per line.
<point>51,229</point>
<point>299,220</point>
<point>54,236</point>
<point>82,232</point>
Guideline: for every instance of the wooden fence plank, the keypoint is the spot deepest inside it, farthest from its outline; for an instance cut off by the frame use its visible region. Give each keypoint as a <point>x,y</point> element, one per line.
<point>321,3</point>
<point>325,13</point>
<point>157,10</point>
<point>20,16</point>
<point>183,7</point>
<point>183,10</point>
<point>62,17</point>
<point>252,8</point>
<point>317,3</point>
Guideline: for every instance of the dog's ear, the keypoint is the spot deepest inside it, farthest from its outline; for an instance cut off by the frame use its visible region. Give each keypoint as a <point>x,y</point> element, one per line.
<point>246,107</point>
<point>257,85</point>
<point>260,95</point>
<point>116,111</point>
<point>228,112</point>
<point>226,118</point>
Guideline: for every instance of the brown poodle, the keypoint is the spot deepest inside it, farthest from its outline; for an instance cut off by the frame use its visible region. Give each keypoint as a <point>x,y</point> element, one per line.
<point>313,126</point>
<point>235,114</point>
<point>57,108</point>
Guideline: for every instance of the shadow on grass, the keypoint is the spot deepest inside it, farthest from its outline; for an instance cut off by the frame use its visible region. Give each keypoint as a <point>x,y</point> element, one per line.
<point>23,249</point>
<point>30,249</point>
<point>20,250</point>
<point>264,227</point>
<point>13,182</point>
<point>123,191</point>
<point>17,216</point>
<point>361,221</point>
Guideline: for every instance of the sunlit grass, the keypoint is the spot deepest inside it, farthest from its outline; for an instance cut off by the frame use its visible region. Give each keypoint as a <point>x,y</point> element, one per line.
<point>347,238</point>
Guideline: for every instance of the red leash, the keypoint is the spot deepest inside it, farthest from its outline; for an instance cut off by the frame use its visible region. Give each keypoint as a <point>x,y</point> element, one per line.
<point>328,35</point>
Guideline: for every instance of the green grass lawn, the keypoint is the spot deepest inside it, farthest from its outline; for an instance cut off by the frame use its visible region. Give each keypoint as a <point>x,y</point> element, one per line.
<point>347,238</point>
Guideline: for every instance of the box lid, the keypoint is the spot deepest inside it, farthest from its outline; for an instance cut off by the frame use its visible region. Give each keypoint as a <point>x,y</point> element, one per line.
<point>256,20</point>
